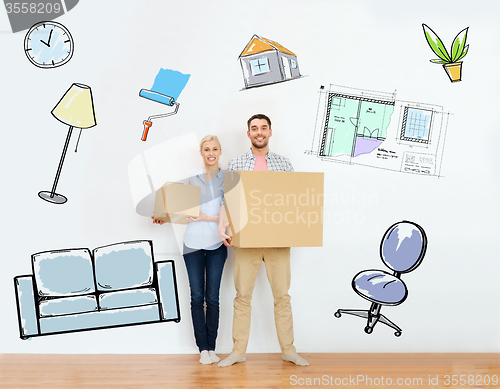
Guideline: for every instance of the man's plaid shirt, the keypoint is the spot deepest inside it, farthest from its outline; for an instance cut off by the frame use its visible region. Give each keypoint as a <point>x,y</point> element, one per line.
<point>275,162</point>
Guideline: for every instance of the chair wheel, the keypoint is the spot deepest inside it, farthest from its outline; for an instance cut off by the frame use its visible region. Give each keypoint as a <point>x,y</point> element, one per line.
<point>337,314</point>
<point>397,333</point>
<point>368,330</point>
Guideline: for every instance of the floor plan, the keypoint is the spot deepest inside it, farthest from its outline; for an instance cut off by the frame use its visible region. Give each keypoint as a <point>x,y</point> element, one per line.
<point>375,129</point>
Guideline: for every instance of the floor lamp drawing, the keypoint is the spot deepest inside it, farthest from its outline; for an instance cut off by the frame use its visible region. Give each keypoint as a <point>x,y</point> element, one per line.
<point>76,109</point>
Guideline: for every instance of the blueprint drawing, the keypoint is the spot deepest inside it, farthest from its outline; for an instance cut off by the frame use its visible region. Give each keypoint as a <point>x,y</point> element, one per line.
<point>370,128</point>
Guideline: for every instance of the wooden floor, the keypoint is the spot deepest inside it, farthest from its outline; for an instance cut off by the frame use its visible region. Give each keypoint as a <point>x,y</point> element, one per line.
<point>31,371</point>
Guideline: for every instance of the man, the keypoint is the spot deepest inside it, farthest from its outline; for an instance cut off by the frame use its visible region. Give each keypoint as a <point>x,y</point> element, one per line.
<point>248,261</point>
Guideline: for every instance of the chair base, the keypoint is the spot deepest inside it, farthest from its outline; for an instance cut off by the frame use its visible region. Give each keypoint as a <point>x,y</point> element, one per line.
<point>372,315</point>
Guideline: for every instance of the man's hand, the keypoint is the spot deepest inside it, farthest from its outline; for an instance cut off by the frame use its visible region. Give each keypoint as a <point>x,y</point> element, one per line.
<point>226,239</point>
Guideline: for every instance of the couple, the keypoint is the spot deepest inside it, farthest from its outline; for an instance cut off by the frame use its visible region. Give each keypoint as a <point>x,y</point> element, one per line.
<point>205,252</point>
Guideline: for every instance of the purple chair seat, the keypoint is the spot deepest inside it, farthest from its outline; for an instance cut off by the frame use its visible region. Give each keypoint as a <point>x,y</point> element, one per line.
<point>380,287</point>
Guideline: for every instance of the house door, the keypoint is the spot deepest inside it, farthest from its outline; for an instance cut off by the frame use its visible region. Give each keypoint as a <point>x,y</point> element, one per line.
<point>286,67</point>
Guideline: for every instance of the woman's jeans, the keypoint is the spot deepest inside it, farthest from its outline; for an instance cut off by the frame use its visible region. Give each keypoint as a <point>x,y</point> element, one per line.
<point>204,268</point>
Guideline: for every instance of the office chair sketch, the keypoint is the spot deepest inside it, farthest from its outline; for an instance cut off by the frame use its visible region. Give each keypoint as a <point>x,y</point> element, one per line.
<point>402,249</point>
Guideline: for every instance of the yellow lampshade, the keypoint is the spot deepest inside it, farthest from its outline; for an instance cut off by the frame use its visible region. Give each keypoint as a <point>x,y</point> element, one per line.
<point>76,107</point>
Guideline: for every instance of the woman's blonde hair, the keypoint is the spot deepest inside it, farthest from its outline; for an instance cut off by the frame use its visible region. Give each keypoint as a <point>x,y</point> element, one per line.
<point>209,138</point>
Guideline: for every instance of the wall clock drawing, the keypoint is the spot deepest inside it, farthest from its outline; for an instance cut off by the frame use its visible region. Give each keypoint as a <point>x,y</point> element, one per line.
<point>48,45</point>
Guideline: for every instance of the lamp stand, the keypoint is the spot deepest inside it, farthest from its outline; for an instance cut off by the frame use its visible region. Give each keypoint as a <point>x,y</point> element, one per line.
<point>52,196</point>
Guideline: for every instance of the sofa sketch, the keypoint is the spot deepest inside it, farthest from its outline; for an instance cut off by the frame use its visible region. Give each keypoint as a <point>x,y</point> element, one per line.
<point>112,286</point>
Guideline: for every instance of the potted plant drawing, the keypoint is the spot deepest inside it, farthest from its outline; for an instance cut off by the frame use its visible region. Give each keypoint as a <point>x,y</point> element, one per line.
<point>450,60</point>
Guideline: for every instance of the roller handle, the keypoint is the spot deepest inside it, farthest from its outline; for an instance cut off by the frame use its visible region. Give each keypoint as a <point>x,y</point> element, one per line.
<point>147,126</point>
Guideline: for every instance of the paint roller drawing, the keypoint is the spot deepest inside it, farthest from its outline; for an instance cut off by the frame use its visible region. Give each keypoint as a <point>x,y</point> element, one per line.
<point>166,89</point>
<point>159,98</point>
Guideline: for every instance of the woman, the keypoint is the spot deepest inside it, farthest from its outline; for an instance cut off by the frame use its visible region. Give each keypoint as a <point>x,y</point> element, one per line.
<point>204,254</point>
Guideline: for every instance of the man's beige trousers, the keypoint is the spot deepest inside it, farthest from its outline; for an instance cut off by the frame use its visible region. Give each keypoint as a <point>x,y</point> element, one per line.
<point>246,267</point>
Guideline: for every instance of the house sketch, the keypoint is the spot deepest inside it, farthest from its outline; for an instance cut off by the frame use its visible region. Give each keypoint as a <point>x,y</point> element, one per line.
<point>266,62</point>
<point>370,128</point>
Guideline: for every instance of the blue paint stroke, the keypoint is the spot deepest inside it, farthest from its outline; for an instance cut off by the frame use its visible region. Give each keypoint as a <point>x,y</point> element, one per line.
<point>170,83</point>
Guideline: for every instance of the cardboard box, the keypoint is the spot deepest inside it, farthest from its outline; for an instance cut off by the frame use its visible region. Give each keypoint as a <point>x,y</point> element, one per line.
<point>274,209</point>
<point>174,202</point>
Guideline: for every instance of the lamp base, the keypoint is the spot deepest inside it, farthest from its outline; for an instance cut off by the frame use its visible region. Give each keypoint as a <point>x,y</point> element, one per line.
<point>51,197</point>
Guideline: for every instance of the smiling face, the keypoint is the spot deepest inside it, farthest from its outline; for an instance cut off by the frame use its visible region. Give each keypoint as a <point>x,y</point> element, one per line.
<point>259,133</point>
<point>210,151</point>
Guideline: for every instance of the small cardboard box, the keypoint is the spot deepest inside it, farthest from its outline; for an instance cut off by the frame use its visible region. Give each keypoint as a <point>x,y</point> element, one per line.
<point>174,201</point>
<point>274,209</point>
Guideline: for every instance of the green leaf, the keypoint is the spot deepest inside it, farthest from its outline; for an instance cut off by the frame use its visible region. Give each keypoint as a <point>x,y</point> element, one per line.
<point>436,44</point>
<point>439,61</point>
<point>466,50</point>
<point>458,45</point>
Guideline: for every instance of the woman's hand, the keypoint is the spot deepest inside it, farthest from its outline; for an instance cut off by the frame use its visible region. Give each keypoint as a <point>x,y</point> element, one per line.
<point>156,221</point>
<point>201,218</point>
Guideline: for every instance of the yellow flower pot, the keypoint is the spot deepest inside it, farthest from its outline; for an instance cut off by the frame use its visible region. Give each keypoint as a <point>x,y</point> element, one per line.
<point>454,71</point>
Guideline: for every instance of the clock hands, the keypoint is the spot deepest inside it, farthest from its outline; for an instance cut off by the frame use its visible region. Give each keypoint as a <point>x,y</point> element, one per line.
<point>48,45</point>
<point>50,36</point>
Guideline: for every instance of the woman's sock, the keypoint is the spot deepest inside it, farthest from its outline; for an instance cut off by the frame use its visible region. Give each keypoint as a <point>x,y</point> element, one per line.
<point>205,358</point>
<point>213,356</point>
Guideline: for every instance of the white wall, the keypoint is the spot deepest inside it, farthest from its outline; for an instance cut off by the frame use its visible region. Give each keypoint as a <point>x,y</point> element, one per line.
<point>454,300</point>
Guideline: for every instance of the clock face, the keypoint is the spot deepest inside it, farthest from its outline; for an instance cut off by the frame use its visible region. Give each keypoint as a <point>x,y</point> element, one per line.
<point>48,44</point>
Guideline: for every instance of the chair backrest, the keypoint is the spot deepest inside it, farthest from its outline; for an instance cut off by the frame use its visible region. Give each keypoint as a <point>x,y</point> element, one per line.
<point>403,246</point>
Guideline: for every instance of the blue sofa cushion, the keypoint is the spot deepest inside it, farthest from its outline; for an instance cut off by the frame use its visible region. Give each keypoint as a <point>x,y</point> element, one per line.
<point>123,266</point>
<point>67,306</point>
<point>63,273</point>
<point>101,319</point>
<point>127,298</point>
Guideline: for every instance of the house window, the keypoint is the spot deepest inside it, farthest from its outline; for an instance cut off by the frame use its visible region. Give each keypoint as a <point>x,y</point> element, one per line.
<point>416,125</point>
<point>294,64</point>
<point>259,66</point>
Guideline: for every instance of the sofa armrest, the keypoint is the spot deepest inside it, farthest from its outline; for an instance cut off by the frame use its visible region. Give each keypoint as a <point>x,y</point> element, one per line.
<point>167,284</point>
<point>26,306</point>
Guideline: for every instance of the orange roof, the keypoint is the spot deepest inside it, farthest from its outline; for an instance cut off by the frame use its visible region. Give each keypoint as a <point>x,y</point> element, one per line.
<point>259,44</point>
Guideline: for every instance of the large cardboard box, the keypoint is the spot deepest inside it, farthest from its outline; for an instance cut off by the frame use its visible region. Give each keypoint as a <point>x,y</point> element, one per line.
<point>174,202</point>
<point>274,209</point>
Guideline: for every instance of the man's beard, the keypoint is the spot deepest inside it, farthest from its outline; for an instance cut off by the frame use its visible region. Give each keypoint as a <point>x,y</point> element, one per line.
<point>262,146</point>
